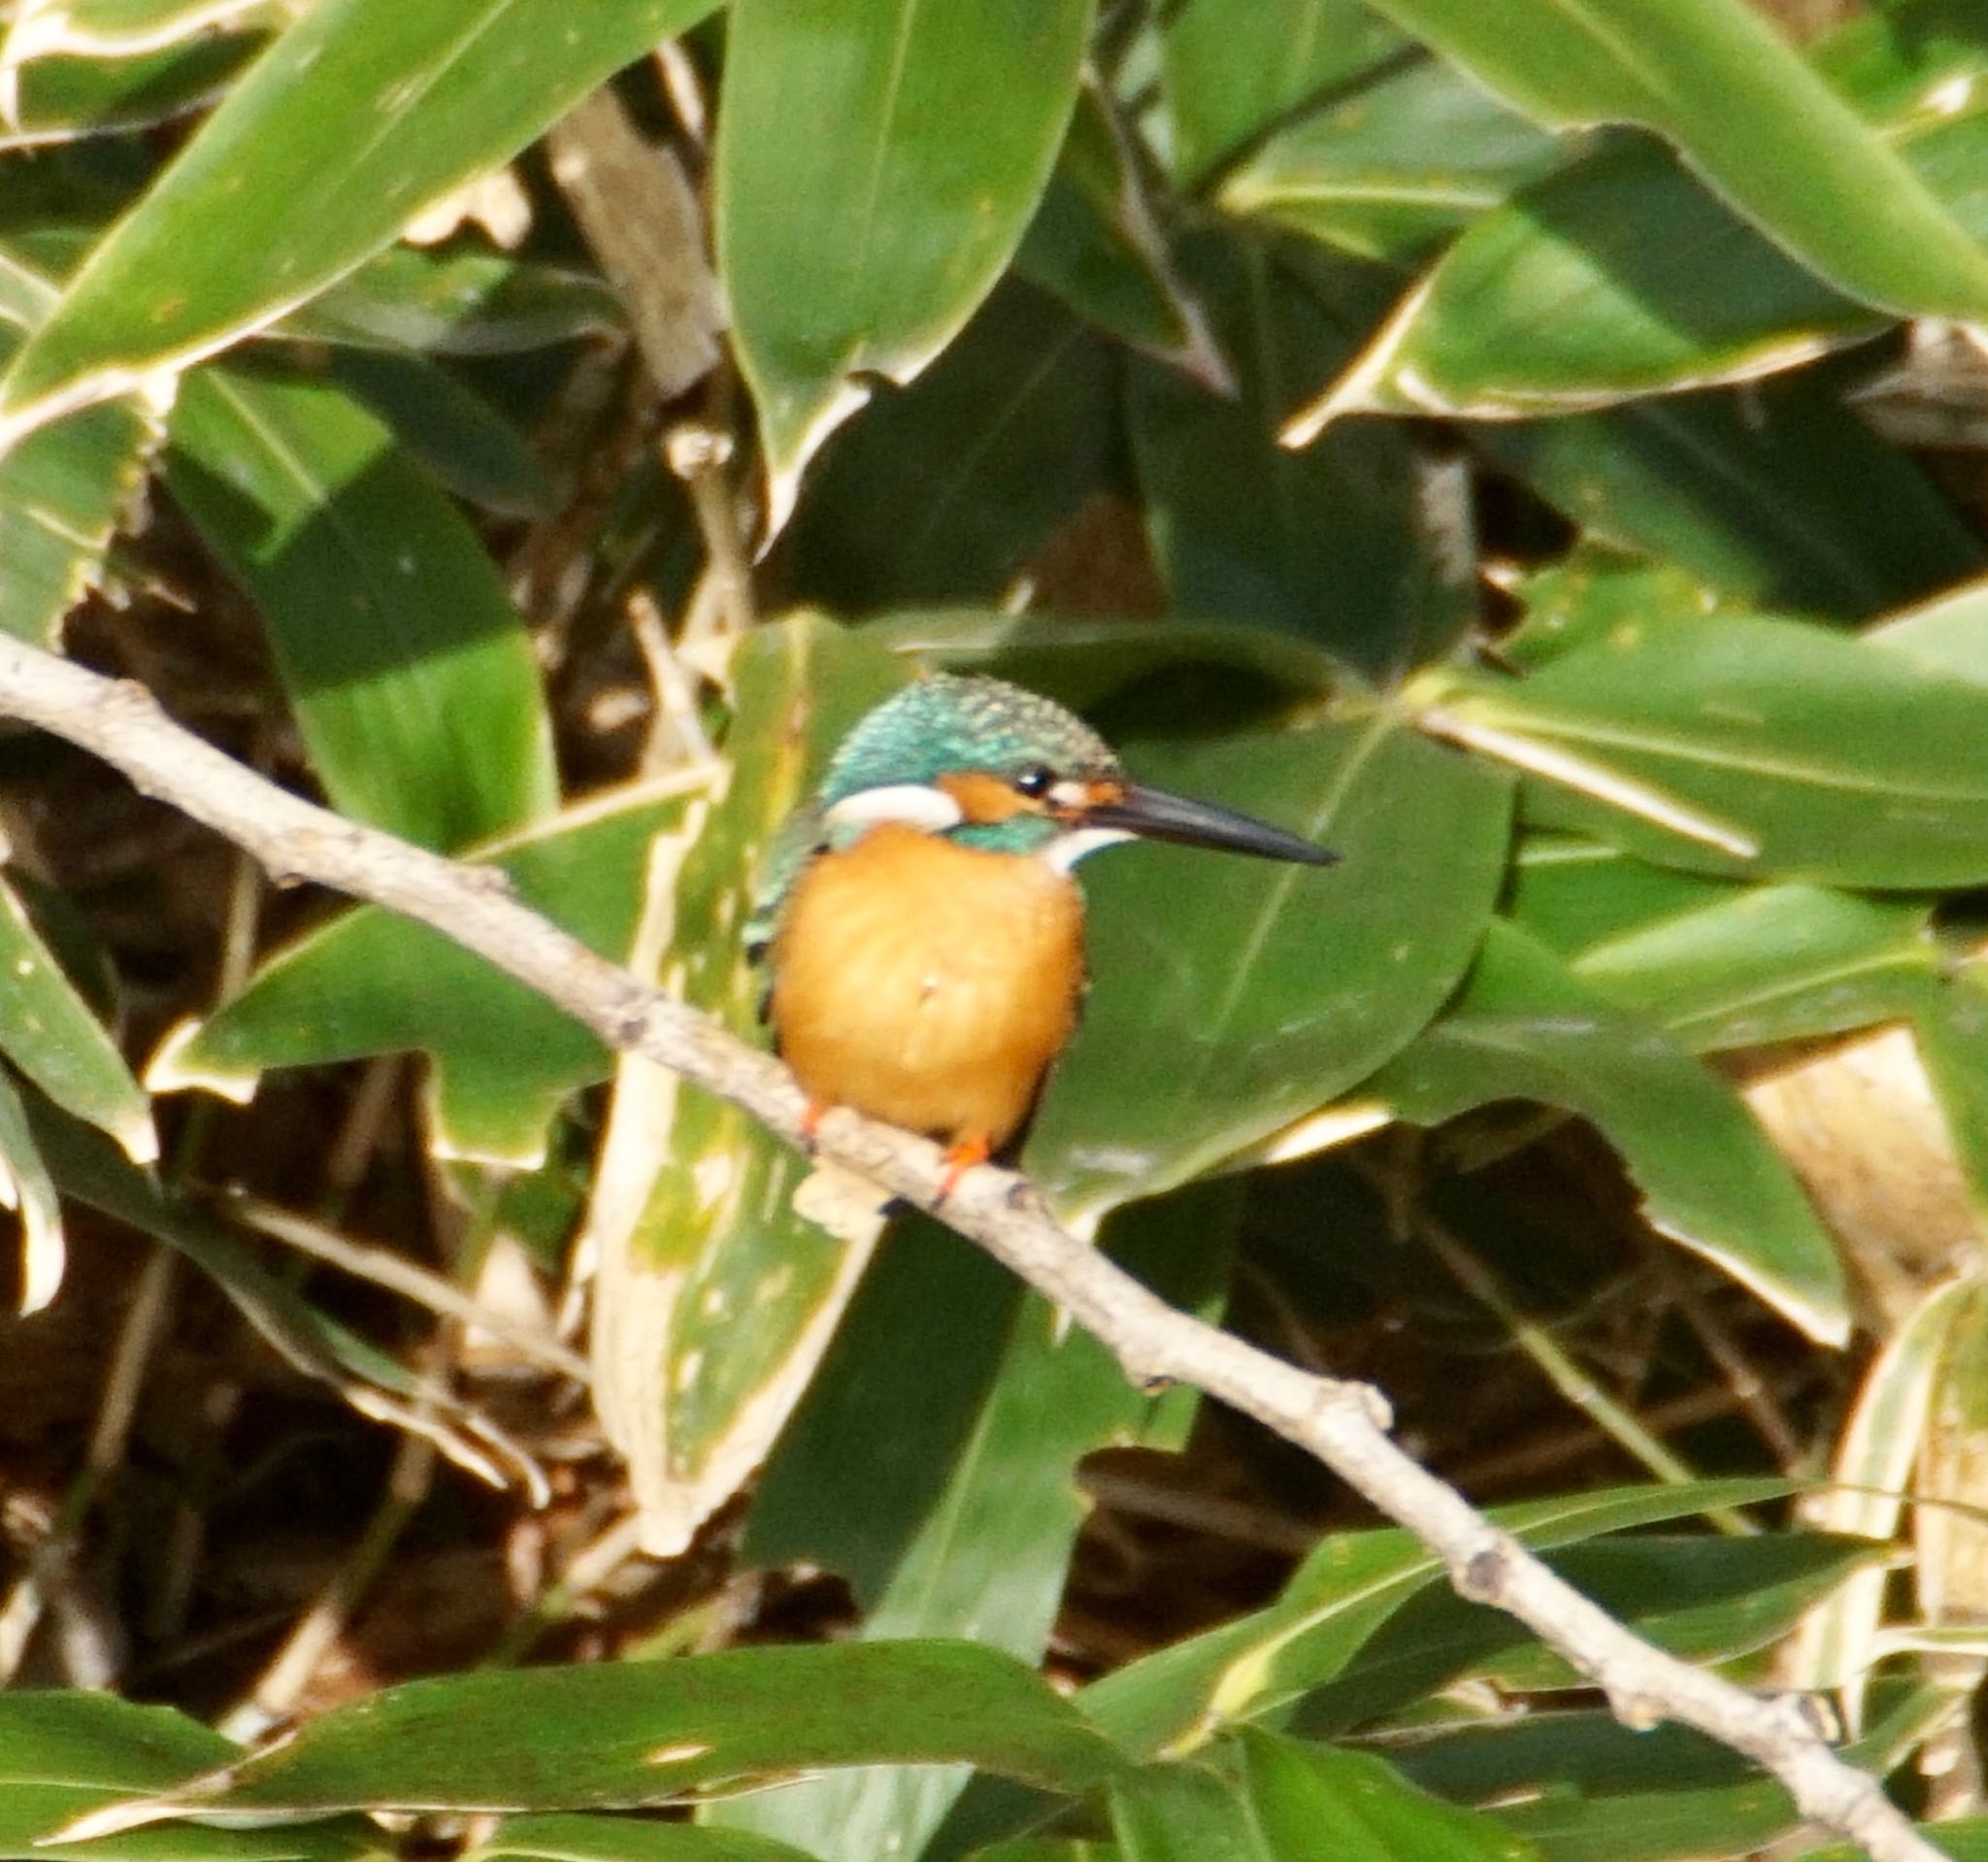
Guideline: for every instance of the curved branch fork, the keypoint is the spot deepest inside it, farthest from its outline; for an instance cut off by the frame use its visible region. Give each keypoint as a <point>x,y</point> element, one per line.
<point>1345,1425</point>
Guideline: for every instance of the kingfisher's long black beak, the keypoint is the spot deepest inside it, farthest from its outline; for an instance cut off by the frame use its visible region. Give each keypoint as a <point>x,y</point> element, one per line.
<point>1155,816</point>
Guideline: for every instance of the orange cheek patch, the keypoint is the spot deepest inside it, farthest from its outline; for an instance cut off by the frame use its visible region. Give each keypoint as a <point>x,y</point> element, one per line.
<point>984,798</point>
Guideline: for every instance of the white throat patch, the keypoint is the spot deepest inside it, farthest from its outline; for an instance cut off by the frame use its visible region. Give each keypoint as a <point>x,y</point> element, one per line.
<point>1066,849</point>
<point>915,804</point>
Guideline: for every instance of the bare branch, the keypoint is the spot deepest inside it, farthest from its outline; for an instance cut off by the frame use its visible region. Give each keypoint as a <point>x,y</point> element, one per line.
<point>1343,1424</point>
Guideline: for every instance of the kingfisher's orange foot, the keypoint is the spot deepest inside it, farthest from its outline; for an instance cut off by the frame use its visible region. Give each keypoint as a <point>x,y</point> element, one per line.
<point>960,1158</point>
<point>810,1124</point>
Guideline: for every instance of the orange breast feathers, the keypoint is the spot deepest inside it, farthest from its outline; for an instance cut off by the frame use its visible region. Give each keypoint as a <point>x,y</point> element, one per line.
<point>926,983</point>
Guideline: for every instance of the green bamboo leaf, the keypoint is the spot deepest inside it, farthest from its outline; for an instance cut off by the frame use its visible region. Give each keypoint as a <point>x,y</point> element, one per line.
<point>50,95</point>
<point>1704,1597</point>
<point>1739,745</point>
<point>1722,965</point>
<point>1784,499</point>
<point>49,1032</point>
<point>1747,112</point>
<point>1086,663</point>
<point>1589,592</point>
<point>1233,69</point>
<point>861,254</point>
<point>553,1838</point>
<point>64,1754</point>
<point>28,1191</point>
<point>62,494</point>
<point>947,488</point>
<point>1232,998</point>
<point>1951,1034</point>
<point>369,981</point>
<point>1624,276</point>
<point>463,442</point>
<point>717,1294</point>
<point>276,197</point>
<point>1335,1603</point>
<point>464,303</point>
<point>403,656</point>
<point>961,1409</point>
<point>1950,632</point>
<point>124,28</point>
<point>1097,243</point>
<point>1327,544</point>
<point>624,1735</point>
<point>1586,1788</point>
<point>1391,164</point>
<point>1525,1027</point>
<point>1299,1792</point>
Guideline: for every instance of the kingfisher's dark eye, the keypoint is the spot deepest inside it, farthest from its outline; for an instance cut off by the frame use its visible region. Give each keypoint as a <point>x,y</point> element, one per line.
<point>1036,782</point>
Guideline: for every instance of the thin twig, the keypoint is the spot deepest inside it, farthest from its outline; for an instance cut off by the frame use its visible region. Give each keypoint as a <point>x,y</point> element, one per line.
<point>409,1279</point>
<point>1343,1424</point>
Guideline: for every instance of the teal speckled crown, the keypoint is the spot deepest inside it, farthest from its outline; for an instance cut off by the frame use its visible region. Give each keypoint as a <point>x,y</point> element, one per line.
<point>948,724</point>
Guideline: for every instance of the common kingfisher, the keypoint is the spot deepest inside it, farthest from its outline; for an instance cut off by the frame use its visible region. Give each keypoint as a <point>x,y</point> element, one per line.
<point>921,918</point>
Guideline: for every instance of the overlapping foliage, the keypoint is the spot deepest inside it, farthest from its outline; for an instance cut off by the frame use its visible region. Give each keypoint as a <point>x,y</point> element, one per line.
<point>1430,426</point>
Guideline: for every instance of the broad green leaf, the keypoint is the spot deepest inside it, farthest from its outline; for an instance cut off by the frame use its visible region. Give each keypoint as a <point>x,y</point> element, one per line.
<point>1719,963</point>
<point>1086,663</point>
<point>1741,744</point>
<point>1333,1606</point>
<point>1278,1798</point>
<point>404,658</point>
<point>463,442</point>
<point>1573,893</point>
<point>278,196</point>
<point>1768,963</point>
<point>1707,1598</point>
<point>960,1409</point>
<point>1590,591</point>
<point>622,1735</point>
<point>1950,632</point>
<point>1951,1034</point>
<point>553,1838</point>
<point>1327,544</point>
<point>62,494</point>
<point>944,488</point>
<point>1587,1789</point>
<point>372,982</point>
<point>1362,1807</point>
<point>1050,1848</point>
<point>1782,498</point>
<point>1097,243</point>
<point>1963,1838</point>
<point>124,28</point>
<point>1230,997</point>
<point>1623,275</point>
<point>1748,112</point>
<point>1234,69</point>
<point>56,87</point>
<point>717,1295</point>
<point>63,1754</point>
<point>1525,1027</point>
<point>49,1032</point>
<point>1582,1787</point>
<point>1390,164</point>
<point>466,303</point>
<point>859,254</point>
<point>1568,1815</point>
<point>28,1192</point>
